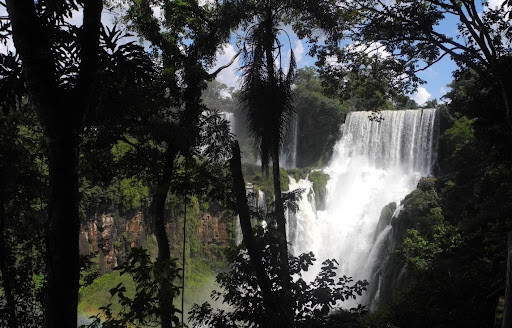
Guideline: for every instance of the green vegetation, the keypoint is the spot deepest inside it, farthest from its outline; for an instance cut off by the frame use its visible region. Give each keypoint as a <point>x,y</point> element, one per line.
<point>261,180</point>
<point>319,180</point>
<point>93,122</point>
<point>97,294</point>
<point>199,280</point>
<point>312,302</point>
<point>319,117</point>
<point>452,232</point>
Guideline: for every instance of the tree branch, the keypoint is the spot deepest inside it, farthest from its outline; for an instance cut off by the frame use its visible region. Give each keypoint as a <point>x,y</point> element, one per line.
<point>473,33</point>
<point>438,59</point>
<point>444,39</point>
<point>223,67</point>
<point>482,29</point>
<point>143,153</point>
<point>33,47</point>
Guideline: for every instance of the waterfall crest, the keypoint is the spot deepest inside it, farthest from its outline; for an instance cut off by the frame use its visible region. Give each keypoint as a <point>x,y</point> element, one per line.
<point>373,164</point>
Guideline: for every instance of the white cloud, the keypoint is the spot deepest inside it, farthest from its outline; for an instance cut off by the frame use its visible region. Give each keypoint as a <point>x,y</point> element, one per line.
<point>298,50</point>
<point>495,3</point>
<point>421,96</point>
<point>333,61</point>
<point>371,50</point>
<point>108,17</point>
<point>228,76</point>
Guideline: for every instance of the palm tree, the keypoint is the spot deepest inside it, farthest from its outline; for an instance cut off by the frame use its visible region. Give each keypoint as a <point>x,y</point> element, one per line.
<point>266,93</point>
<point>266,96</point>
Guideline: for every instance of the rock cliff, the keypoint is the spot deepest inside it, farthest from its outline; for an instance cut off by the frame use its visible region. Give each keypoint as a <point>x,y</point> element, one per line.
<point>111,236</point>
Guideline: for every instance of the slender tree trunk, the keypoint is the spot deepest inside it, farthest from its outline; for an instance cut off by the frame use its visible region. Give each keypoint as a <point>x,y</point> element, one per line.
<point>505,91</point>
<point>6,269</point>
<point>507,311</point>
<point>272,309</point>
<point>165,297</point>
<point>63,228</point>
<point>285,277</point>
<point>279,208</point>
<point>283,242</point>
<point>279,212</point>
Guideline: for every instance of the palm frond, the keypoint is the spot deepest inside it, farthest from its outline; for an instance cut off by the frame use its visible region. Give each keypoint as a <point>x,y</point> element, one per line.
<point>266,99</point>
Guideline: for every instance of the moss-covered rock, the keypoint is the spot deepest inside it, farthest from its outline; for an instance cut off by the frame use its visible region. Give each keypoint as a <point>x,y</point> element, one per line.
<point>385,218</point>
<point>319,180</point>
<point>417,209</point>
<point>263,180</point>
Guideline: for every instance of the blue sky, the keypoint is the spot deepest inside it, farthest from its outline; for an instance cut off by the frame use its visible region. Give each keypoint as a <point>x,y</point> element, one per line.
<point>437,77</point>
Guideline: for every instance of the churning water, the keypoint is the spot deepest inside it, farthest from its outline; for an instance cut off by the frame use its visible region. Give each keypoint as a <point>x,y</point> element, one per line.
<point>374,163</point>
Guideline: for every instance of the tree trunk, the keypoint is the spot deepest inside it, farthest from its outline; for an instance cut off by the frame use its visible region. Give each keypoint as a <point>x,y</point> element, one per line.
<point>165,297</point>
<point>279,208</point>
<point>505,92</point>
<point>507,311</point>
<point>279,213</point>
<point>61,124</point>
<point>284,270</point>
<point>6,269</point>
<point>282,240</point>
<point>63,228</point>
<point>272,309</point>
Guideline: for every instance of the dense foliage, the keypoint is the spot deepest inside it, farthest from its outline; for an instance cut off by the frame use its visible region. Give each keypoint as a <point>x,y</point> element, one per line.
<point>142,308</point>
<point>94,123</point>
<point>312,300</point>
<point>452,230</point>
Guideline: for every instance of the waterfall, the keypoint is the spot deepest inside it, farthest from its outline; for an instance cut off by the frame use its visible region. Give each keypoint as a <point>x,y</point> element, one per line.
<point>373,164</point>
<point>302,222</point>
<point>262,204</point>
<point>238,231</point>
<point>230,117</point>
<point>256,202</point>
<point>288,154</point>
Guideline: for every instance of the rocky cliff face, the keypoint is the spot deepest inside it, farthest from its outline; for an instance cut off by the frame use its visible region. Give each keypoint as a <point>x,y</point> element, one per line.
<point>206,237</point>
<point>112,236</point>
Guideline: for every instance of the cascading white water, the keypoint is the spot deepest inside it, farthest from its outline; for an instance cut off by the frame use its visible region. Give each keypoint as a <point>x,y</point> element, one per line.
<point>230,117</point>
<point>303,221</point>
<point>288,151</point>
<point>262,204</point>
<point>288,154</point>
<point>374,163</point>
<point>238,231</point>
<point>257,203</point>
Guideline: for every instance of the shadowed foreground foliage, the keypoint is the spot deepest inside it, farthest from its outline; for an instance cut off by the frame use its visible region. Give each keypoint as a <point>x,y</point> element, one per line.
<point>312,301</point>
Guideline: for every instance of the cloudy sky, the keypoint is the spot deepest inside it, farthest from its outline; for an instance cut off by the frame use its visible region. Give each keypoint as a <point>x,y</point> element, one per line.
<point>438,76</point>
